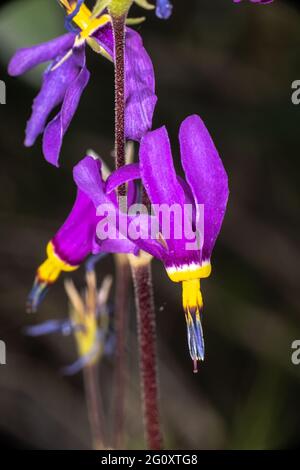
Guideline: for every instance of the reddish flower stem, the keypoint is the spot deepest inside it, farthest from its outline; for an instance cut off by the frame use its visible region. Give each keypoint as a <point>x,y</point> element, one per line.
<point>141,273</point>
<point>122,265</point>
<point>118,24</point>
<point>142,278</point>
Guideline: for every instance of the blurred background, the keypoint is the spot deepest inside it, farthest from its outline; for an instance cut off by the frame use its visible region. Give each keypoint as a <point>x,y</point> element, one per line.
<point>233,65</point>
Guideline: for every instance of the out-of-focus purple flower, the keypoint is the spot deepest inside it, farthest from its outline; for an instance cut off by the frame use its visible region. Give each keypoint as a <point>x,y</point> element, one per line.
<point>206,184</point>
<point>163,9</point>
<point>67,76</point>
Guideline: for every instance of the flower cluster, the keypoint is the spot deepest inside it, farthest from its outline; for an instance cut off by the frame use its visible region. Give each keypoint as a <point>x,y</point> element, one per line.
<point>205,183</point>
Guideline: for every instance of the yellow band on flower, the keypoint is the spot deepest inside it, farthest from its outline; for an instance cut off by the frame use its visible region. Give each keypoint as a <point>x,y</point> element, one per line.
<point>189,272</point>
<point>191,295</point>
<point>51,268</point>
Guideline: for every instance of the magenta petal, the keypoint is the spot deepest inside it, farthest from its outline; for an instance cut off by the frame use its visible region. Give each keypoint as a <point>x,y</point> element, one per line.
<point>126,174</point>
<point>157,169</point>
<point>123,175</point>
<point>87,176</point>
<point>104,36</point>
<point>74,240</point>
<point>114,246</point>
<point>27,58</point>
<point>52,93</point>
<point>140,81</point>
<point>206,177</point>
<point>140,87</point>
<point>56,129</point>
<point>88,179</point>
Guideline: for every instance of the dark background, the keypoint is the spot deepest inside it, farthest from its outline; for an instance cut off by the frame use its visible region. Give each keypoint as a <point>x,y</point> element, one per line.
<point>233,65</point>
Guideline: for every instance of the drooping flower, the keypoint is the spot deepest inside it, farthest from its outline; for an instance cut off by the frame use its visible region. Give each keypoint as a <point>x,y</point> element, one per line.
<point>67,76</point>
<point>206,184</point>
<point>89,322</point>
<point>72,243</point>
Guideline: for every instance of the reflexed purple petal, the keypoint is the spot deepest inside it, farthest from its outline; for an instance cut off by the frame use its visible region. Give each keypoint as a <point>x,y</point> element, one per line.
<point>27,58</point>
<point>88,179</point>
<point>140,87</point>
<point>104,36</point>
<point>74,240</point>
<point>123,175</point>
<point>52,93</point>
<point>51,326</point>
<point>164,189</point>
<point>140,81</point>
<point>87,176</point>
<point>157,169</point>
<point>206,176</point>
<point>56,129</point>
<point>115,246</point>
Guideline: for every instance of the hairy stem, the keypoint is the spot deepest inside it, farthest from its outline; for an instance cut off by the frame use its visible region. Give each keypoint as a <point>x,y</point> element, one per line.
<point>94,405</point>
<point>142,277</point>
<point>118,23</point>
<point>122,265</point>
<point>121,326</point>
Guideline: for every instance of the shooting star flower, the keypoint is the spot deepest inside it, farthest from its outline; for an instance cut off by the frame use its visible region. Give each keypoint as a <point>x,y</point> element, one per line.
<point>67,76</point>
<point>206,184</point>
<point>72,243</point>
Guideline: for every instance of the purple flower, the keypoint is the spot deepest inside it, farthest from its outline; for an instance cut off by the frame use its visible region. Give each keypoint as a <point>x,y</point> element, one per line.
<point>67,76</point>
<point>205,184</point>
<point>67,249</point>
<point>163,9</point>
<point>72,243</point>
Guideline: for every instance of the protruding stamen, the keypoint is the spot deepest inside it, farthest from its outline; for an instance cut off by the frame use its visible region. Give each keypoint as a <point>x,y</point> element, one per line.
<point>192,303</point>
<point>36,295</point>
